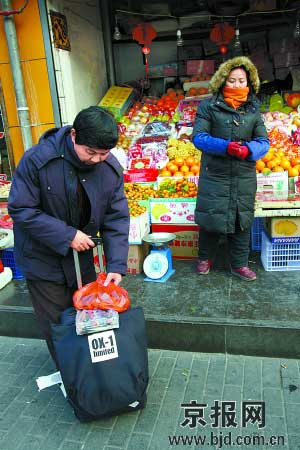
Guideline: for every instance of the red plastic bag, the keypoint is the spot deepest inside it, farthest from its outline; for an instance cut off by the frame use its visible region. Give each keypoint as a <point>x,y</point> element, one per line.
<point>97,296</point>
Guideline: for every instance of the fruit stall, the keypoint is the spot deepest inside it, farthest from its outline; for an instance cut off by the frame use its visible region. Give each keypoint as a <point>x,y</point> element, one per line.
<point>161,168</point>
<point>161,172</point>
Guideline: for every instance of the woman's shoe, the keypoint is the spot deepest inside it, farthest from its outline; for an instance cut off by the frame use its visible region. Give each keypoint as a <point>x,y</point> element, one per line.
<point>203,266</point>
<point>244,273</point>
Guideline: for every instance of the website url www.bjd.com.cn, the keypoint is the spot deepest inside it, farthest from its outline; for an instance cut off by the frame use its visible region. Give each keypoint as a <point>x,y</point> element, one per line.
<point>220,440</point>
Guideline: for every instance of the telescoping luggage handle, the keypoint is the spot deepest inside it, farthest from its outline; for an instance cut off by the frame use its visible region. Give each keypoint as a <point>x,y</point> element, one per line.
<point>99,244</point>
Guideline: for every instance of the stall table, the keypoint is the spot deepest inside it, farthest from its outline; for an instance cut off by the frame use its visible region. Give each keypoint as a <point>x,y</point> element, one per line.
<point>275,208</point>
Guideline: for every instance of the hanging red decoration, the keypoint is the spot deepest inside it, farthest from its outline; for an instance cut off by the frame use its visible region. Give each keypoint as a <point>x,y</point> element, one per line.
<point>146,50</point>
<point>144,33</point>
<point>221,34</point>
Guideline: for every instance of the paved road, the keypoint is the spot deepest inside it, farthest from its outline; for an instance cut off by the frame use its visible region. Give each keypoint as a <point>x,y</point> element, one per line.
<point>32,420</point>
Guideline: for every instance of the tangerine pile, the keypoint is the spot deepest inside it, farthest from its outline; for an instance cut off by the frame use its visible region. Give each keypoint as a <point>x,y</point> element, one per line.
<point>180,188</point>
<point>136,191</point>
<point>178,167</point>
<point>135,209</point>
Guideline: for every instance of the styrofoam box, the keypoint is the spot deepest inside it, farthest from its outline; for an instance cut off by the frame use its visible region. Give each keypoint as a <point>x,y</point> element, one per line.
<point>272,186</point>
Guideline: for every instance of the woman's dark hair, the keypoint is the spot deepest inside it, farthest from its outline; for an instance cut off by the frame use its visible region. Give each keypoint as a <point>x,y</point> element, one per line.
<point>96,128</point>
<point>247,75</point>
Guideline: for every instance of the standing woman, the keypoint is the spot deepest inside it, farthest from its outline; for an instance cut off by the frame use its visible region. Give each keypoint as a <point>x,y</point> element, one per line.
<point>230,132</point>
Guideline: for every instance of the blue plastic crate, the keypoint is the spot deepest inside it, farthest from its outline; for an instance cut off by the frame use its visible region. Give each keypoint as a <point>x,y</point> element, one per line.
<point>279,257</point>
<point>256,232</point>
<point>8,260</point>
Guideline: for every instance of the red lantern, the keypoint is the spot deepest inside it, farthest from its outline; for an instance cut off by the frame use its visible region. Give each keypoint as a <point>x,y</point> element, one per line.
<point>221,34</point>
<point>146,50</point>
<point>144,33</point>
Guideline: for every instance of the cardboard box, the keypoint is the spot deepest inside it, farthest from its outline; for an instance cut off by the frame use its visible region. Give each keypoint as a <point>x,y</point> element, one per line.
<point>136,257</point>
<point>283,229</point>
<point>176,210</point>
<point>185,246</point>
<point>117,100</point>
<point>274,186</point>
<point>139,227</point>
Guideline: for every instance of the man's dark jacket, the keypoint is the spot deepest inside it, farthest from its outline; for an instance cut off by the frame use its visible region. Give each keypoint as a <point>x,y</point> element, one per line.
<point>43,205</point>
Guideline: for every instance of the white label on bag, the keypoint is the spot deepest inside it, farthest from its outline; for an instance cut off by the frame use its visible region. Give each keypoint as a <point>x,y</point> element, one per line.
<point>103,346</point>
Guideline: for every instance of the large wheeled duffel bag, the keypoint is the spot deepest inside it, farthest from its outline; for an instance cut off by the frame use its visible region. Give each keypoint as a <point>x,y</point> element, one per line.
<point>104,373</point>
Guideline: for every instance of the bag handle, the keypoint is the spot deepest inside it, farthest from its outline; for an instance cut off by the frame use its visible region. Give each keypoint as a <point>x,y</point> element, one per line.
<point>98,241</point>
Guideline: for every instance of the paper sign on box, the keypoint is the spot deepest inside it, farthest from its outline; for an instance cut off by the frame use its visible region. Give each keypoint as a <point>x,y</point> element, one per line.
<point>139,227</point>
<point>177,210</point>
<point>274,186</point>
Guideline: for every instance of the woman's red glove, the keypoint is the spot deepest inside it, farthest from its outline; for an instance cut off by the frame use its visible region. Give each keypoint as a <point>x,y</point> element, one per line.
<point>237,150</point>
<point>243,152</point>
<point>233,148</point>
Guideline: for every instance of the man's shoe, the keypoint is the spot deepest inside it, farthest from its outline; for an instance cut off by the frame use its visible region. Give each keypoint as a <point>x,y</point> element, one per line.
<point>203,266</point>
<point>244,273</point>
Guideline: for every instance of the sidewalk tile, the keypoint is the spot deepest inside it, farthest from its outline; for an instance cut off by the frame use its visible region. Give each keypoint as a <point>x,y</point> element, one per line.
<point>147,418</point>
<point>122,429</point>
<point>97,439</point>
<point>139,441</point>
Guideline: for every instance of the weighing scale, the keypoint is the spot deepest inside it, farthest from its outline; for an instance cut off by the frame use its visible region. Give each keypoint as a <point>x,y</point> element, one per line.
<point>158,264</point>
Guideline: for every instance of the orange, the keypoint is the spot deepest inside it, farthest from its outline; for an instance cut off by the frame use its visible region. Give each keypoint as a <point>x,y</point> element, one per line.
<point>165,173</point>
<point>184,169</point>
<point>189,174</point>
<point>295,161</point>
<point>173,168</point>
<point>278,169</point>
<point>170,163</point>
<point>190,161</point>
<point>192,91</point>
<point>285,164</point>
<point>280,154</point>
<point>195,169</point>
<point>293,172</point>
<point>177,174</point>
<point>179,161</point>
<point>297,166</point>
<point>271,164</point>
<point>260,165</point>
<point>268,156</point>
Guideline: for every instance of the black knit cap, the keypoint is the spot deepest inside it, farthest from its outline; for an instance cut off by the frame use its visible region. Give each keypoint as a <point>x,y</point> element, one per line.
<point>96,128</point>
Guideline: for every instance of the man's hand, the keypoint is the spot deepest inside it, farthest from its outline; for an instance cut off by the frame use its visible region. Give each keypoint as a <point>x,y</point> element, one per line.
<point>237,150</point>
<point>116,278</point>
<point>81,242</point>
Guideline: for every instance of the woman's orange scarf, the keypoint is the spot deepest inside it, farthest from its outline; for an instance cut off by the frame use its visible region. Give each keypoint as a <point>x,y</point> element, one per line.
<point>234,97</point>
